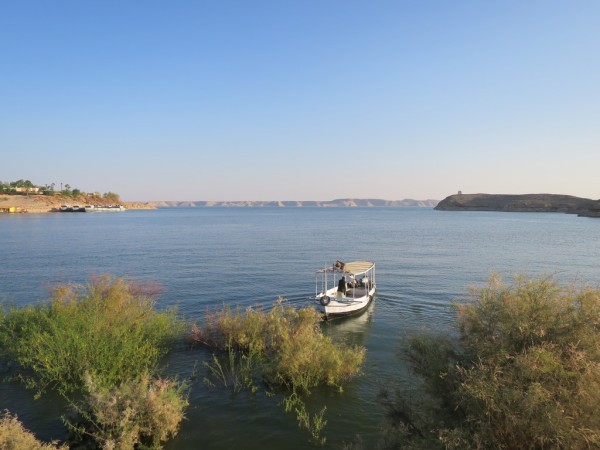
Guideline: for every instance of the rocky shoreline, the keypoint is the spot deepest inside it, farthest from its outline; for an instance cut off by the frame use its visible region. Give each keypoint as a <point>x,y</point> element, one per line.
<point>568,204</point>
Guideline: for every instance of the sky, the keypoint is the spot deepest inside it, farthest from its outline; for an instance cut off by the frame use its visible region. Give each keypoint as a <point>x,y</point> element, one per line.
<point>301,100</point>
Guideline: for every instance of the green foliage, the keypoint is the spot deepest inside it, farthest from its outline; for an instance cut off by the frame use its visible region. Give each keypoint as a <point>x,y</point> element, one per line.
<point>108,330</point>
<point>91,344</point>
<point>527,374</point>
<point>140,413</point>
<point>22,183</point>
<point>314,424</point>
<point>76,192</point>
<point>13,436</point>
<point>288,344</point>
<point>284,347</point>
<point>239,370</point>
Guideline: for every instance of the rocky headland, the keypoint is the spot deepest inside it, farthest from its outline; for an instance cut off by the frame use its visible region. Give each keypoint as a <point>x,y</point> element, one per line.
<point>521,203</point>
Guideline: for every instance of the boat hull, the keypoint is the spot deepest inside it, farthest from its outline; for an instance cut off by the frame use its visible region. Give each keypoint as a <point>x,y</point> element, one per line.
<point>344,306</point>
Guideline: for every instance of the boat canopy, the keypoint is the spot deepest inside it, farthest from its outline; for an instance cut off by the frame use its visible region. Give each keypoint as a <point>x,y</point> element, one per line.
<point>353,268</point>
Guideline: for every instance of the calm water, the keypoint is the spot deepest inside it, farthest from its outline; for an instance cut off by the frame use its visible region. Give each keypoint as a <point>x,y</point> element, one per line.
<point>206,257</point>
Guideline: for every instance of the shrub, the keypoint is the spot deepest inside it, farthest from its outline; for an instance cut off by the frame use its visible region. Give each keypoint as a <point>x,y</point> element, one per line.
<point>91,344</point>
<point>284,347</point>
<point>142,412</point>
<point>525,372</point>
<point>13,436</point>
<point>108,330</point>
<point>287,343</point>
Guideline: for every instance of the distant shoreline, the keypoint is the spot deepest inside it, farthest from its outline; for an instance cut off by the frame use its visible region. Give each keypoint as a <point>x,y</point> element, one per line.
<point>42,204</point>
<point>568,204</point>
<point>46,204</point>
<point>344,202</point>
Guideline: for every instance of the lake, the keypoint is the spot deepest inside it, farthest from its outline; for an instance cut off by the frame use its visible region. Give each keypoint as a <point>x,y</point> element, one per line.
<point>207,257</point>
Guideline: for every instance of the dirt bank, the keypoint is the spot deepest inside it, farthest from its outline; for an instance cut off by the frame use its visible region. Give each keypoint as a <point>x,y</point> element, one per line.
<point>47,203</point>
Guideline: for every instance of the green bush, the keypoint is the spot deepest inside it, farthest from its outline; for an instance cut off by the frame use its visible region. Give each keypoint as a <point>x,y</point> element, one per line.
<point>91,344</point>
<point>284,347</point>
<point>287,343</point>
<point>108,330</point>
<point>525,373</point>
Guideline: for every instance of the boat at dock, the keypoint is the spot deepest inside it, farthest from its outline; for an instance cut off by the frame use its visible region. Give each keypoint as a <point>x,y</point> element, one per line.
<point>345,288</point>
<point>92,208</point>
<point>105,208</point>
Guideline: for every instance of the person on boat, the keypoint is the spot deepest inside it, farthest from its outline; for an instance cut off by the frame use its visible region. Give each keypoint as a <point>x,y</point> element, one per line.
<point>342,285</point>
<point>352,283</point>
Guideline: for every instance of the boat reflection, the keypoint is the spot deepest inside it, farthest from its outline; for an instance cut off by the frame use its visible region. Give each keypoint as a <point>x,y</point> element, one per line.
<point>353,329</point>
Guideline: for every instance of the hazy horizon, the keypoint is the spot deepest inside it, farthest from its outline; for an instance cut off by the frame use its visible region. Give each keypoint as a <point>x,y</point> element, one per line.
<point>301,100</point>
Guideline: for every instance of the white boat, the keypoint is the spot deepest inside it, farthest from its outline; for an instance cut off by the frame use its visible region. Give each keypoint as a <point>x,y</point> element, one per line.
<point>65,208</point>
<point>105,208</point>
<point>345,288</point>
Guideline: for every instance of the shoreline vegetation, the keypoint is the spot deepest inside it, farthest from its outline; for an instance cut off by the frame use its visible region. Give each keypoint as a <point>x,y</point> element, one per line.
<point>101,348</point>
<point>521,370</point>
<point>568,204</point>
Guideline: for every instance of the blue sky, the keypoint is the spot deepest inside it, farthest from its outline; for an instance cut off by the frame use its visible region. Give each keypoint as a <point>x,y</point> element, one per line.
<point>301,100</point>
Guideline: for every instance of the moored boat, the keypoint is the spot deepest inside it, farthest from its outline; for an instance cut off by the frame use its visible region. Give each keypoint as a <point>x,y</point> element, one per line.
<point>345,288</point>
<point>104,208</point>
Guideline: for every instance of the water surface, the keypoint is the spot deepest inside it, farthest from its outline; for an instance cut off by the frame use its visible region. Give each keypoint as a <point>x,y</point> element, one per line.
<point>206,257</point>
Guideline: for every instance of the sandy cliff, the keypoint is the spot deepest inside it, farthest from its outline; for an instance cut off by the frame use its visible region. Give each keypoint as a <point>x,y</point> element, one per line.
<point>342,202</point>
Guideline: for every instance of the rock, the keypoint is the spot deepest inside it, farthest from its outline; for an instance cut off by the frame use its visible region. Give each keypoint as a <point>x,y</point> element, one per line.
<point>521,203</point>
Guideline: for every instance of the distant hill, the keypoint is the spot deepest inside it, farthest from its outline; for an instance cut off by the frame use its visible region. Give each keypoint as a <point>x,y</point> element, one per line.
<point>341,202</point>
<point>521,203</point>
